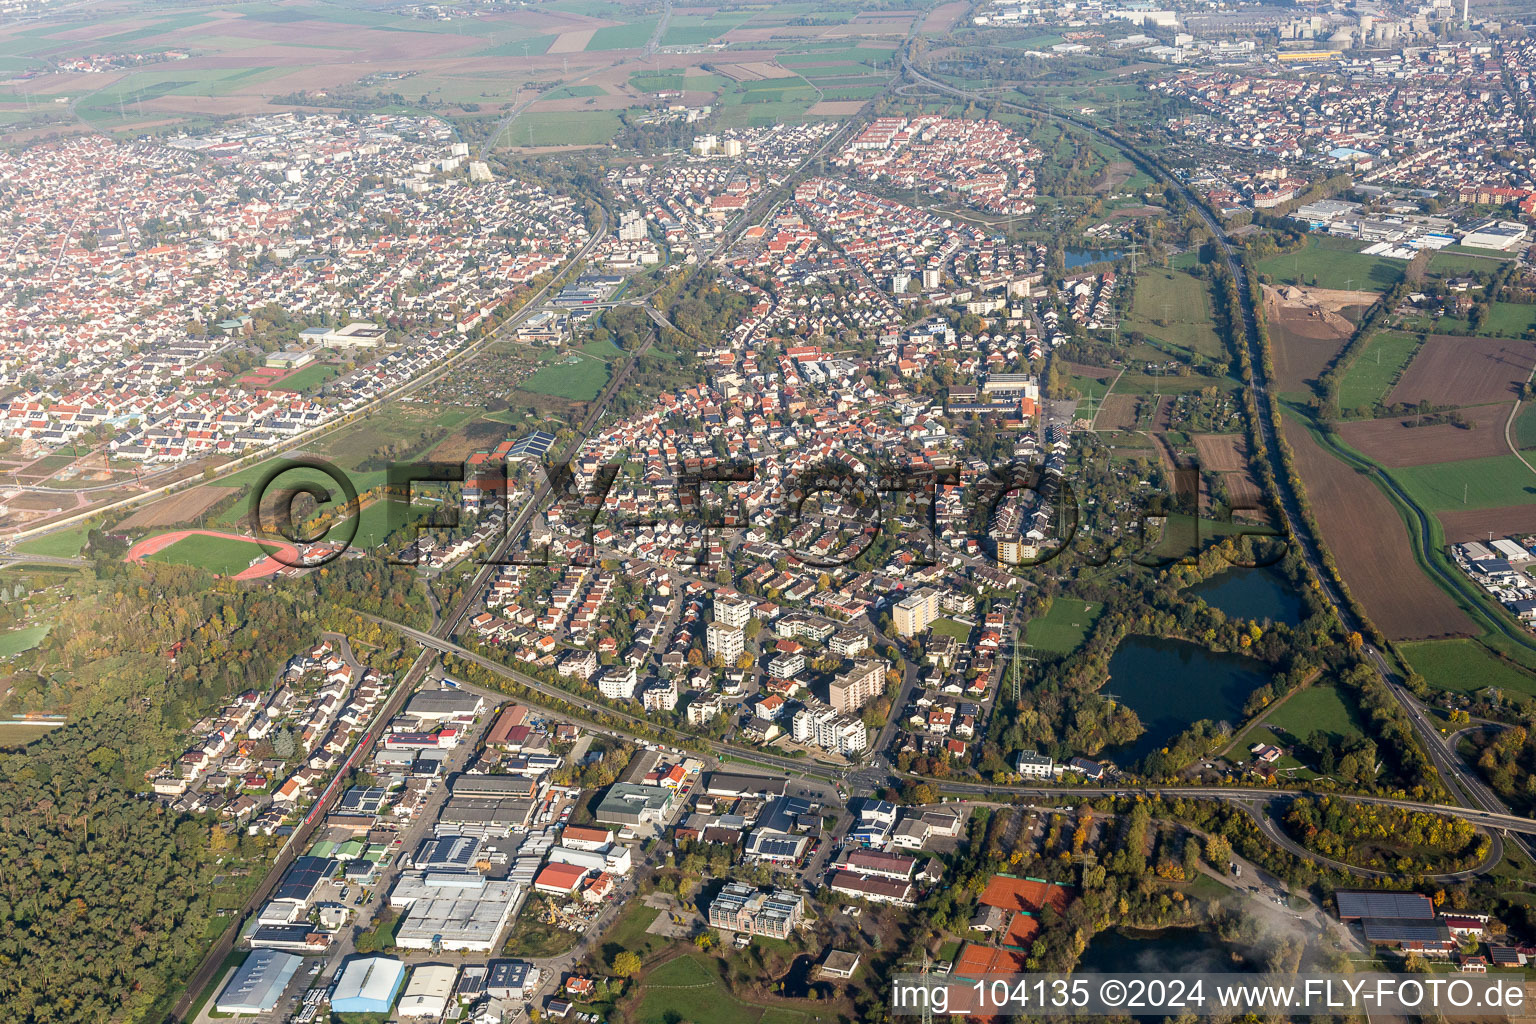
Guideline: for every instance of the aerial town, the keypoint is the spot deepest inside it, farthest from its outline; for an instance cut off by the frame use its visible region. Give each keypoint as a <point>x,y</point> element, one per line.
<point>632,514</point>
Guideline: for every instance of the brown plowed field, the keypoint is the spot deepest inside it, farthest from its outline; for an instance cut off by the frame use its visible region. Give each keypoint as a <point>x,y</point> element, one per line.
<point>1370,544</point>
<point>1392,443</point>
<point>1306,338</point>
<point>1476,523</point>
<point>176,509</point>
<point>1465,371</point>
<point>1117,413</point>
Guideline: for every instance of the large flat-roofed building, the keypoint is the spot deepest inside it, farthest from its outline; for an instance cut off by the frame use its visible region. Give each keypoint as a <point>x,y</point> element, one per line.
<point>428,991</point>
<point>1501,235</point>
<point>355,335</point>
<point>486,815</point>
<point>456,910</point>
<point>1402,906</point>
<point>302,878</point>
<point>856,687</point>
<point>511,979</point>
<point>445,705</point>
<point>447,853</point>
<point>742,908</point>
<point>628,804</point>
<point>368,984</point>
<point>258,983</point>
<point>733,784</point>
<point>915,612</point>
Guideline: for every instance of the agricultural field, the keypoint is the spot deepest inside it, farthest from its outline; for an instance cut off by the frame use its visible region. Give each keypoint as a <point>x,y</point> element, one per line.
<point>1399,442</point>
<point>1063,629</point>
<point>1455,371</point>
<point>1466,666</point>
<point>1174,307</point>
<point>1370,543</point>
<point>1332,263</point>
<point>1467,524</point>
<point>1376,369</point>
<point>177,508</point>
<point>1469,483</point>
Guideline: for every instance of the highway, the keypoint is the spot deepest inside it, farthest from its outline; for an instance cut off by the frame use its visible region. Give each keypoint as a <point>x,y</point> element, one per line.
<point>1460,780</point>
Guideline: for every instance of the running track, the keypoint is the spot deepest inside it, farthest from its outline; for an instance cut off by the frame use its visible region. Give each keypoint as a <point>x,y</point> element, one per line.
<point>266,567</point>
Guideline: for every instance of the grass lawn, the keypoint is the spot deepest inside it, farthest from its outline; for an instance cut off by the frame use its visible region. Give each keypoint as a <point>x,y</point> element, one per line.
<point>1465,666</point>
<point>1063,629</point>
<point>949,627</point>
<point>1509,319</point>
<point>629,932</point>
<point>1174,307</point>
<point>19,734</point>
<point>1492,482</point>
<point>18,640</point>
<point>59,544</point>
<point>216,554</point>
<point>1333,263</point>
<point>689,989</point>
<point>579,379</point>
<point>1156,384</point>
<point>1375,369</point>
<point>1316,707</point>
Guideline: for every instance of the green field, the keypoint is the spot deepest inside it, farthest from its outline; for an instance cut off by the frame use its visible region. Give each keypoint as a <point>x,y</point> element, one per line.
<point>1509,319</point>
<point>1317,707</point>
<point>563,128</point>
<point>18,640</point>
<point>580,380</point>
<point>1063,629</point>
<point>1375,369</point>
<point>1455,260</point>
<point>1492,482</point>
<point>1465,666</point>
<point>1174,307</point>
<point>632,36</point>
<point>1333,263</point>
<point>216,554</point>
<point>1156,384</point>
<point>59,544</point>
<point>1524,430</point>
<point>19,734</point>
<point>689,989</point>
<point>949,627</point>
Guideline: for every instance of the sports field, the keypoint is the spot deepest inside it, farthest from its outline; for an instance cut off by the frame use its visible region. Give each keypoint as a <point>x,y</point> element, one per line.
<point>1063,629</point>
<point>1333,263</point>
<point>1465,666</point>
<point>1376,369</point>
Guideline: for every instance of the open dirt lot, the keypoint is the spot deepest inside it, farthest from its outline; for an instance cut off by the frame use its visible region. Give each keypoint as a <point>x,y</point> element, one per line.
<point>178,508</point>
<point>1393,443</point>
<point>1465,371</point>
<point>1117,413</point>
<point>571,42</point>
<point>1476,523</point>
<point>836,108</point>
<point>944,16</point>
<point>1221,453</point>
<point>1370,544</point>
<point>1306,334</point>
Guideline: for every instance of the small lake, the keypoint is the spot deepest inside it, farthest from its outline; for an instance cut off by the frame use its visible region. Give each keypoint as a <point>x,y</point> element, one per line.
<point>1256,594</point>
<point>1171,685</point>
<point>1171,950</point>
<point>1074,258</point>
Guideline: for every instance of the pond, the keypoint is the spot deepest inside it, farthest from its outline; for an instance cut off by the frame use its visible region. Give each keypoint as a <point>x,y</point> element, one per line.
<point>1257,594</point>
<point>796,983</point>
<point>1182,950</point>
<point>1171,685</point>
<point>1074,258</point>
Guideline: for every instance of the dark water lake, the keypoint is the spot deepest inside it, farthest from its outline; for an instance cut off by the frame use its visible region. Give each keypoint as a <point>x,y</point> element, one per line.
<point>1126,950</point>
<point>1257,594</point>
<point>1171,685</point>
<point>1074,258</point>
